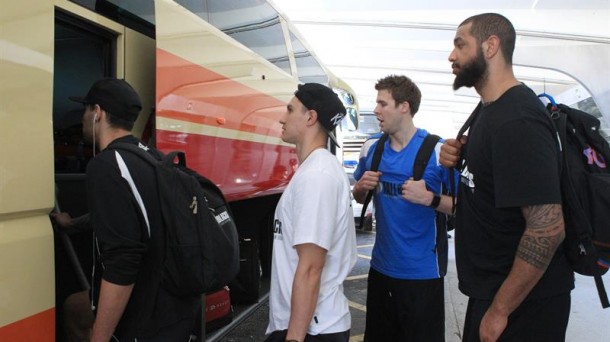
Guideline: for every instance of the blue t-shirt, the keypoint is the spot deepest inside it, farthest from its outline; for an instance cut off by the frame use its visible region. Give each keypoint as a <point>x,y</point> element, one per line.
<point>406,232</point>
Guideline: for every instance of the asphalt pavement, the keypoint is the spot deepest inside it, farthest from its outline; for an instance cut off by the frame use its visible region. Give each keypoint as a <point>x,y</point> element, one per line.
<point>588,321</point>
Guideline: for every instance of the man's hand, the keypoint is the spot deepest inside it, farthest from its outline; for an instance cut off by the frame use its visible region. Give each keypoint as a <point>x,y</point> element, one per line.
<point>450,151</point>
<point>368,182</point>
<point>492,326</point>
<point>416,192</point>
<point>64,220</point>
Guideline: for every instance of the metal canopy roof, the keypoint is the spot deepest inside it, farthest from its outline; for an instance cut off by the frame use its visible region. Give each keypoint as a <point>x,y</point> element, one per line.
<point>563,48</point>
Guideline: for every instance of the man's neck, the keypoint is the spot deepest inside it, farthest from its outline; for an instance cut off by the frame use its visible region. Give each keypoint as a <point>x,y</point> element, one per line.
<point>111,135</point>
<point>400,139</point>
<point>305,148</point>
<point>496,84</point>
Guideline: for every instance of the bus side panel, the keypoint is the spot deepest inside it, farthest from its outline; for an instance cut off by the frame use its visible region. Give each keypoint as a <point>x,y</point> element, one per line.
<point>225,160</point>
<point>139,62</point>
<point>223,102</point>
<point>26,66</point>
<point>40,327</point>
<point>27,287</point>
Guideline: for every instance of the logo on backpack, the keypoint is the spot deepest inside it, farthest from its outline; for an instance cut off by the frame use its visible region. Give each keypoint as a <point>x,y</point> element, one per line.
<point>594,158</point>
<point>222,217</point>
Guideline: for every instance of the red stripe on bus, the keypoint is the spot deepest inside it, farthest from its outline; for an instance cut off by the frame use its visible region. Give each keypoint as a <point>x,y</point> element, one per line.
<point>242,169</point>
<point>39,327</point>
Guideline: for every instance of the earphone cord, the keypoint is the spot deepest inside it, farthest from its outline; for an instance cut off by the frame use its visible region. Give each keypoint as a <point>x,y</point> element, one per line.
<point>93,129</point>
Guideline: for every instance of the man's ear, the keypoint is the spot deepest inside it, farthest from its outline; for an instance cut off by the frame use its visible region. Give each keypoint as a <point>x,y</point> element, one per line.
<point>313,117</point>
<point>100,114</point>
<point>491,46</point>
<point>405,107</point>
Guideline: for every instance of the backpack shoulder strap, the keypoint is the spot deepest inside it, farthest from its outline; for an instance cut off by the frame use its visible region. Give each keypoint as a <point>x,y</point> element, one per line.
<point>459,164</point>
<point>469,121</point>
<point>423,155</point>
<point>374,167</point>
<point>378,152</point>
<point>121,146</point>
<point>166,159</point>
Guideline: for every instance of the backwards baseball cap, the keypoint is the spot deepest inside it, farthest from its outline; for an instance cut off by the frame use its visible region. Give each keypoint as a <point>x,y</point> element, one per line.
<point>114,96</point>
<point>325,102</point>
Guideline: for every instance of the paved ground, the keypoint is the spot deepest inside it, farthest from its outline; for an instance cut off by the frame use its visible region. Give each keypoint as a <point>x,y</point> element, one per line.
<point>588,322</point>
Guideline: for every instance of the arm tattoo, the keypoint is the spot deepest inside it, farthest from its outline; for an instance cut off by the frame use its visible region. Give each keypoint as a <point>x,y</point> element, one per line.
<point>543,233</point>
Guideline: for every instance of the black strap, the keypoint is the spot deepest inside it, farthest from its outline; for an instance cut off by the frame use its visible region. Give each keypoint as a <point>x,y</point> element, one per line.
<point>423,155</point>
<point>419,166</point>
<point>601,290</point>
<point>374,167</point>
<point>166,159</point>
<point>469,121</point>
<point>459,164</point>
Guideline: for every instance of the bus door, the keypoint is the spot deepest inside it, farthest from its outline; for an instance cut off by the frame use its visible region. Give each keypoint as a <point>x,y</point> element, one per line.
<point>87,47</point>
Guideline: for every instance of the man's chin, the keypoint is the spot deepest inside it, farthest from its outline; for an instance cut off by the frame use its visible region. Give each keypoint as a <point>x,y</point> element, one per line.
<point>457,84</point>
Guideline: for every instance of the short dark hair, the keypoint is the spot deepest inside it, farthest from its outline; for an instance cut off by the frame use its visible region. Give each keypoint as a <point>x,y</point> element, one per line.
<point>402,89</point>
<point>115,121</point>
<point>487,24</point>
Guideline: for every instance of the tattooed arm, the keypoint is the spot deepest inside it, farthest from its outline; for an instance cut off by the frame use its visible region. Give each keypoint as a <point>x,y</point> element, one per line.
<point>543,233</point>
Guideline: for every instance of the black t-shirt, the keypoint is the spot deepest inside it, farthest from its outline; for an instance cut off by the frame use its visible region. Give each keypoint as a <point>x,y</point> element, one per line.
<point>511,161</point>
<point>126,252</point>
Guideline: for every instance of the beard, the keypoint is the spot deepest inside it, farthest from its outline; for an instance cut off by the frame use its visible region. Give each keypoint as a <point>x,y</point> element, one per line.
<point>472,73</point>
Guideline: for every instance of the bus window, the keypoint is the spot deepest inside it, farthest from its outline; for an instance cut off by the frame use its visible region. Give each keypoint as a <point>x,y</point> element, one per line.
<point>253,23</point>
<point>137,15</point>
<point>309,69</point>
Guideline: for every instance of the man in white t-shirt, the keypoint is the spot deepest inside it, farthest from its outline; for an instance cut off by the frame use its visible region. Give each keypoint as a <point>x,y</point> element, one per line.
<point>314,245</point>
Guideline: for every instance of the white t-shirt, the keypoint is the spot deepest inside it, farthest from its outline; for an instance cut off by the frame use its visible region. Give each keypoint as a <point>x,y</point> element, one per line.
<point>315,208</point>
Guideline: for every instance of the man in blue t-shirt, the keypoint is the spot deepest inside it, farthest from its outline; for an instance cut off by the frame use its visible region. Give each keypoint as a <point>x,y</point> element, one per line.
<point>405,295</point>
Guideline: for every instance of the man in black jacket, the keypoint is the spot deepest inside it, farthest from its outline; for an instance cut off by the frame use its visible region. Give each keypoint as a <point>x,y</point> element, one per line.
<point>128,298</point>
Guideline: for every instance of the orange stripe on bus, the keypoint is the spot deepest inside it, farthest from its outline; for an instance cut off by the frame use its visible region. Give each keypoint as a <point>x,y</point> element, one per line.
<point>39,327</point>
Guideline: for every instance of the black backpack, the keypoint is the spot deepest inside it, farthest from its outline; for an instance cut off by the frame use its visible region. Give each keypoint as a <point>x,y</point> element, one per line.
<point>201,246</point>
<point>585,187</point>
<point>585,191</point>
<point>444,222</point>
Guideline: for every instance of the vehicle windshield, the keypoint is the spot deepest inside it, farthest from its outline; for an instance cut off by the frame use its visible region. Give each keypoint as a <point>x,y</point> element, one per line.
<point>368,124</point>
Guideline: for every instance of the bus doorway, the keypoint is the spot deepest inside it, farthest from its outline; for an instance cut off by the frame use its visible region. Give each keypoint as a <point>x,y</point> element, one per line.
<point>84,51</point>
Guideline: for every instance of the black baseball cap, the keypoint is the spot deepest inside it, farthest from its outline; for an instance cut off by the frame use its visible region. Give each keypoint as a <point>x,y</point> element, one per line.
<point>115,96</point>
<point>325,102</point>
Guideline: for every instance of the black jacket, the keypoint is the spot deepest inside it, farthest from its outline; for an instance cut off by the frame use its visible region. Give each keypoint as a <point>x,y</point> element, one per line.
<point>130,244</point>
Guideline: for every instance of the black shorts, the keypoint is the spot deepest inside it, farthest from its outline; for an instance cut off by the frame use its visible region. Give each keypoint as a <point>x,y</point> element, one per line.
<point>280,336</point>
<point>180,331</point>
<point>404,310</point>
<point>540,320</point>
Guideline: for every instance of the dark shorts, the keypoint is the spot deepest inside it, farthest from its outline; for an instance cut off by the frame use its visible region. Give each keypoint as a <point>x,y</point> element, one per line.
<point>178,332</point>
<point>404,310</point>
<point>540,320</point>
<point>280,336</point>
